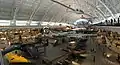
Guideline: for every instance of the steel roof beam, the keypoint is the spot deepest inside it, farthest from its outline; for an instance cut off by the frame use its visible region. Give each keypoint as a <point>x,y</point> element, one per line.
<point>102,14</point>
<point>107,8</point>
<point>67,6</point>
<point>47,11</point>
<point>34,12</point>
<point>112,6</point>
<point>15,11</point>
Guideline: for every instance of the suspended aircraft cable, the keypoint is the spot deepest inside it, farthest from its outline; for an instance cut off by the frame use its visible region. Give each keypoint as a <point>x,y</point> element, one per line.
<point>34,11</point>
<point>107,8</point>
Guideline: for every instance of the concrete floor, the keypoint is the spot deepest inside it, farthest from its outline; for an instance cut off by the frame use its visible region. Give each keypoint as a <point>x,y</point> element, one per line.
<point>54,52</point>
<point>99,58</point>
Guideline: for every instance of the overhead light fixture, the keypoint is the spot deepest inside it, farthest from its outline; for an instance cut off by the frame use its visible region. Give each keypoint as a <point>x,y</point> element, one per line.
<point>44,23</point>
<point>4,21</point>
<point>21,23</point>
<point>33,24</point>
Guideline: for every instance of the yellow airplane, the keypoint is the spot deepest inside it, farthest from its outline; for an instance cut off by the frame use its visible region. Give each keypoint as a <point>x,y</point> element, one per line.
<point>14,58</point>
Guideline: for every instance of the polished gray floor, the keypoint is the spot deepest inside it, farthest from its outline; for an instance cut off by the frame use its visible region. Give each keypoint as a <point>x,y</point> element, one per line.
<point>93,58</point>
<point>97,57</point>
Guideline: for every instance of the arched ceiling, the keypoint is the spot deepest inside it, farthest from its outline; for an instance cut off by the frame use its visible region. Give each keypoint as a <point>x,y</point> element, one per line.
<point>46,10</point>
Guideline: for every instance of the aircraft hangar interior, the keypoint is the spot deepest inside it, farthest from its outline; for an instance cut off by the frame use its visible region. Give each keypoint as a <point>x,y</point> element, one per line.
<point>59,32</point>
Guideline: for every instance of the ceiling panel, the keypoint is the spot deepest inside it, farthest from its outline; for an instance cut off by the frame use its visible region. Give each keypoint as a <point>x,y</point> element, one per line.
<point>46,10</point>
